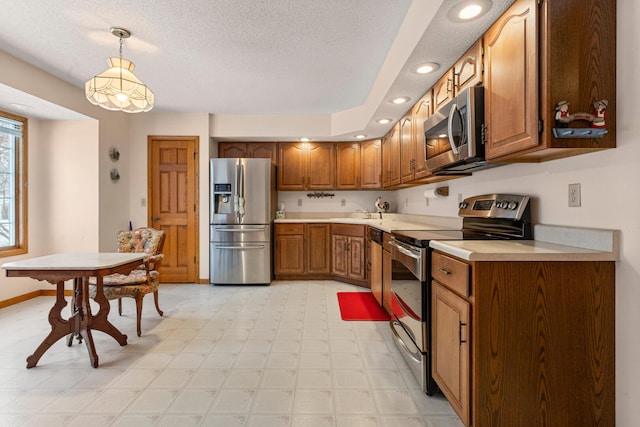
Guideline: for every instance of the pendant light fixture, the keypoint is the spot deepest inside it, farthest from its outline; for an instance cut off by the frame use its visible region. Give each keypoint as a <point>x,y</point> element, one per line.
<point>118,88</point>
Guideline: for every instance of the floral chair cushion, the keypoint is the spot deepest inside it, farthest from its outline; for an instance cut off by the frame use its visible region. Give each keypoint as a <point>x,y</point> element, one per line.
<point>120,285</point>
<point>146,240</point>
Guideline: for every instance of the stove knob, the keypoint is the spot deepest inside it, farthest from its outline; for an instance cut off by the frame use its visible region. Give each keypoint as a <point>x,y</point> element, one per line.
<point>498,204</point>
<point>463,205</point>
<point>513,205</point>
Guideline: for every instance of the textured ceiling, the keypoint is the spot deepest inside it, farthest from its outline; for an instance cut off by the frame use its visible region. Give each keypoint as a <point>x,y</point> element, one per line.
<point>313,57</point>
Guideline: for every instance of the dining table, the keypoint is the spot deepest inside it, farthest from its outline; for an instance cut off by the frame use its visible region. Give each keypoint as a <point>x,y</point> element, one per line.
<point>78,267</point>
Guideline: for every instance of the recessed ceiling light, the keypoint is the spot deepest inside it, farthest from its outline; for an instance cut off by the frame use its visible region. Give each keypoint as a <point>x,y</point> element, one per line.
<point>360,136</point>
<point>384,121</point>
<point>427,68</point>
<point>469,9</point>
<point>400,100</point>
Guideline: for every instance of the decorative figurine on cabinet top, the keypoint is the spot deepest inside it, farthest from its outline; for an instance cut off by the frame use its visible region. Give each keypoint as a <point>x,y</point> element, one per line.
<point>562,114</point>
<point>600,114</point>
<point>596,121</point>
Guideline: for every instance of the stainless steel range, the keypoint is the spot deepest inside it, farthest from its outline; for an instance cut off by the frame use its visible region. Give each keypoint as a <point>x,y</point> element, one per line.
<point>486,217</point>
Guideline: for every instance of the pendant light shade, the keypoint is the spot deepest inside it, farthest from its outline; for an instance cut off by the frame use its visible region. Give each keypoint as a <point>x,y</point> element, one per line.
<point>118,88</point>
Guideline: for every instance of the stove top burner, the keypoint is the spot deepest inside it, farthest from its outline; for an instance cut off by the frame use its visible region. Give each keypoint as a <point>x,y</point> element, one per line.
<point>486,217</point>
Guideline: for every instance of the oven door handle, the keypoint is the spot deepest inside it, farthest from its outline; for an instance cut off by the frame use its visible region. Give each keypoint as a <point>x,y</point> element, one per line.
<point>404,250</point>
<point>452,143</point>
<point>415,355</point>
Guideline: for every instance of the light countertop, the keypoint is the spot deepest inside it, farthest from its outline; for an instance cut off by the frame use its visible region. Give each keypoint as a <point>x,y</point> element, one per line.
<point>552,243</point>
<point>388,223</point>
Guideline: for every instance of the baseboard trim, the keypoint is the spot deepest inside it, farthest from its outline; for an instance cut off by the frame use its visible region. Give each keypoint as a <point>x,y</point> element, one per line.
<point>31,295</point>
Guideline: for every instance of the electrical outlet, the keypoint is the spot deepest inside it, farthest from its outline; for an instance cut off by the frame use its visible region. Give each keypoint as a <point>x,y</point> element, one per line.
<point>299,202</point>
<point>574,196</point>
<point>343,202</point>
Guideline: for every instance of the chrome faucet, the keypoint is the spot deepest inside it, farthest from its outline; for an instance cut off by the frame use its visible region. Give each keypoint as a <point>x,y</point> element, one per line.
<point>366,213</point>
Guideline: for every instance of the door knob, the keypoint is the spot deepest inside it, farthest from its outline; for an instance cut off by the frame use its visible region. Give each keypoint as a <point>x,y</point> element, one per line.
<point>155,218</point>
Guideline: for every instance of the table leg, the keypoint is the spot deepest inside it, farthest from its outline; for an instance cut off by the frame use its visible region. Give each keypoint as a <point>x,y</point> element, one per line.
<point>59,327</point>
<point>100,322</point>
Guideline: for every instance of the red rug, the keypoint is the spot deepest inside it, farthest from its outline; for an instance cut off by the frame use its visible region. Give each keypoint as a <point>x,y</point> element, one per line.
<point>360,306</point>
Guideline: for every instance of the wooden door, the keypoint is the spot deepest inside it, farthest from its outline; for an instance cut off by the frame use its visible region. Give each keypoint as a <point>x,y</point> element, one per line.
<point>173,203</point>
<point>407,150</point>
<point>231,150</point>
<point>348,166</point>
<point>443,90</point>
<point>450,349</point>
<point>263,150</point>
<point>511,81</point>
<point>318,248</point>
<point>468,69</point>
<point>339,266</point>
<point>394,156</point>
<point>321,172</point>
<point>421,112</point>
<point>356,258</point>
<point>371,164</point>
<point>292,170</point>
<point>386,161</point>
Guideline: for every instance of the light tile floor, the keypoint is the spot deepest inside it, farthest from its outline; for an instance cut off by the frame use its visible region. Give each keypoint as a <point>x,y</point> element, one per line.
<point>265,356</point>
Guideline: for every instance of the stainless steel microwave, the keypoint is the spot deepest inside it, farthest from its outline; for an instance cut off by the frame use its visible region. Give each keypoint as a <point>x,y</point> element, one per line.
<point>453,135</point>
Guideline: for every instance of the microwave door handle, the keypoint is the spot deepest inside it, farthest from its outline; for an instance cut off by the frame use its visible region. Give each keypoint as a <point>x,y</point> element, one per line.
<point>452,143</point>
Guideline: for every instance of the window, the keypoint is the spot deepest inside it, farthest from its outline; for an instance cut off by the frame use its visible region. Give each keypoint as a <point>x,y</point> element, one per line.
<point>13,184</point>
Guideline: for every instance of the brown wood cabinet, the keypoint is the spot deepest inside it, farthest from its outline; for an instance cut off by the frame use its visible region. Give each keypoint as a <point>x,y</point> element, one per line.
<point>302,249</point>
<point>443,90</point>
<point>257,150</point>
<point>468,69</point>
<point>407,150</point>
<point>289,249</point>
<point>540,337</point>
<point>371,164</point>
<point>306,166</point>
<point>349,251</point>
<point>421,112</point>
<point>538,55</point>
<point>374,256</point>
<point>391,158</point>
<point>348,166</point>
<point>318,248</point>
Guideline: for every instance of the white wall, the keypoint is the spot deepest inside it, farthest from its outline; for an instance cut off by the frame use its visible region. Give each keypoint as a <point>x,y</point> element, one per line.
<point>353,200</point>
<point>609,186</point>
<point>167,124</point>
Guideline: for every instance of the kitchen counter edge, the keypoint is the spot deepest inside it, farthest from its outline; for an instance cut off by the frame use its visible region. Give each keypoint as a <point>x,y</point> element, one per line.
<point>553,243</point>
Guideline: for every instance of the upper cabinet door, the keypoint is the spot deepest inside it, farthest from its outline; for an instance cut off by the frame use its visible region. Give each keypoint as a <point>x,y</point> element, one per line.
<point>348,166</point>
<point>230,150</point>
<point>421,112</point>
<point>468,69</point>
<point>263,150</point>
<point>371,164</point>
<point>511,83</point>
<point>394,156</point>
<point>292,166</point>
<point>443,90</point>
<point>321,172</point>
<point>407,150</point>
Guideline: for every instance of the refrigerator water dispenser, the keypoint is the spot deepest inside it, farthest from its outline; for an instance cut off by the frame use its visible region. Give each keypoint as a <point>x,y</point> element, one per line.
<point>222,199</point>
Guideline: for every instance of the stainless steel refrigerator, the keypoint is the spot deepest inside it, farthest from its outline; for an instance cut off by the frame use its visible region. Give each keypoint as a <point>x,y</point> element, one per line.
<point>243,203</point>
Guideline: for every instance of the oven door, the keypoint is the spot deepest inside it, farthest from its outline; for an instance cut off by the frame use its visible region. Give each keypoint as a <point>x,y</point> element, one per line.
<point>409,292</point>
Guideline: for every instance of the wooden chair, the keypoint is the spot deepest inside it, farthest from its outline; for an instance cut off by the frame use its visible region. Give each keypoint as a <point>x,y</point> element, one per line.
<point>141,281</point>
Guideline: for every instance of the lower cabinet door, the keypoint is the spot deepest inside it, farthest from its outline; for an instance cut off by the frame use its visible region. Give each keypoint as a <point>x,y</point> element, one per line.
<point>450,348</point>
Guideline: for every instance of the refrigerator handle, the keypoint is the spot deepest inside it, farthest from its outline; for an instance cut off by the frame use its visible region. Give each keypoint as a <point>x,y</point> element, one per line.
<point>239,206</point>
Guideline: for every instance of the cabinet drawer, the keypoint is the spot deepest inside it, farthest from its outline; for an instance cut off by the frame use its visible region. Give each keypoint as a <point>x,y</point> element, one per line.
<point>289,229</point>
<point>355,230</point>
<point>451,272</point>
